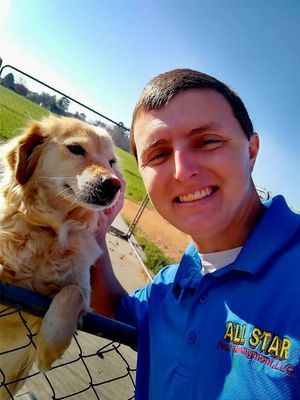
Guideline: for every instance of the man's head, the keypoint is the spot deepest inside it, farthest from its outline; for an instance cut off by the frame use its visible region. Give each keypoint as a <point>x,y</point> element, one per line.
<point>196,149</point>
<point>161,89</point>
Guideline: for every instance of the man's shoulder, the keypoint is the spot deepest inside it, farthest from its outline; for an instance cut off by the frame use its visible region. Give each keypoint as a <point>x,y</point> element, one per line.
<point>279,204</point>
<point>166,275</point>
<point>279,217</point>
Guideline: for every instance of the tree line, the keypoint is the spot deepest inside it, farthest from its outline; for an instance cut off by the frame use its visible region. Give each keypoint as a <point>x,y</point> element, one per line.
<point>60,106</point>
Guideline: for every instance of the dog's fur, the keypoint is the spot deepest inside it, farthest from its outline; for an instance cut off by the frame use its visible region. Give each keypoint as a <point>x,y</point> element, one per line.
<point>55,178</point>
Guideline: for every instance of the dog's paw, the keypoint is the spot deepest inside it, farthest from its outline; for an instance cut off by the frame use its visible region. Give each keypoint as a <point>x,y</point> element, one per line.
<point>47,355</point>
<point>58,326</point>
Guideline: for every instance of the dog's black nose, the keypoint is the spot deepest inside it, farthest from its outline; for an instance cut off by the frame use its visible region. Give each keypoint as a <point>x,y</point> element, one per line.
<point>101,191</point>
<point>109,186</point>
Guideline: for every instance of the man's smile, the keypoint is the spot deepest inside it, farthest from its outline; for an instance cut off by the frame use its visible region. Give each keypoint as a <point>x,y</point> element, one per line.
<point>198,195</point>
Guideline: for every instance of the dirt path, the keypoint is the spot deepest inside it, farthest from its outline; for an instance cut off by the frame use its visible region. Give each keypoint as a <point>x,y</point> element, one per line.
<point>155,228</point>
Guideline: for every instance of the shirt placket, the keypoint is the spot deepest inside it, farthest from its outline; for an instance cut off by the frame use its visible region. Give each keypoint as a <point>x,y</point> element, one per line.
<point>198,297</point>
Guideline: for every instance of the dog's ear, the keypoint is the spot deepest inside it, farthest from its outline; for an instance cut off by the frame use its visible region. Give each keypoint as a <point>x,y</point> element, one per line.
<point>23,159</point>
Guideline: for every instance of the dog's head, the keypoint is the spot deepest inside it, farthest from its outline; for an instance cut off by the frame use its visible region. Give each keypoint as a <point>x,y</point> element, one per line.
<point>68,160</point>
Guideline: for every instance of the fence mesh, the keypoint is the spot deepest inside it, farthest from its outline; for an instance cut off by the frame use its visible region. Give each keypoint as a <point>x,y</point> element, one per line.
<point>93,367</point>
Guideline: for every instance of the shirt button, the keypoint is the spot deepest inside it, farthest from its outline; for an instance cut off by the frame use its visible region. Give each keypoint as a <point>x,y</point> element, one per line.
<point>192,338</point>
<point>203,298</point>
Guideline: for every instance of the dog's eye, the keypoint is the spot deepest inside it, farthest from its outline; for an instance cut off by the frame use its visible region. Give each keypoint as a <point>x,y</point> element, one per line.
<point>76,149</point>
<point>112,162</point>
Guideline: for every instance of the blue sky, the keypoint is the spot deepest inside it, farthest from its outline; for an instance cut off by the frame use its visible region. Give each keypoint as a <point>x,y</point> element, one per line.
<point>103,53</point>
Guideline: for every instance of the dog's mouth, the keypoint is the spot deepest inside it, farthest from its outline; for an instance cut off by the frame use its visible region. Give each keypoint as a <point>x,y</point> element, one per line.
<point>98,193</point>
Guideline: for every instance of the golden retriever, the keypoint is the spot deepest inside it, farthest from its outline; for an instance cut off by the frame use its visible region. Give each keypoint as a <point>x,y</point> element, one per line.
<point>55,178</point>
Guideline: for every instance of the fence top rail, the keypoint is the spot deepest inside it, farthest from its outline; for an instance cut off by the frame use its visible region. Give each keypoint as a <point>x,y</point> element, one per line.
<point>64,95</point>
<point>93,323</point>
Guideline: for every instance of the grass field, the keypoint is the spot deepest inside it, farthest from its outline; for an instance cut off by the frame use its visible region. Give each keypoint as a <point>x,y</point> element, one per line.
<point>135,189</point>
<point>16,111</point>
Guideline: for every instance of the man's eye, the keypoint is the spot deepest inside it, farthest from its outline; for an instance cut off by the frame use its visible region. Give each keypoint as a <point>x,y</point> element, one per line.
<point>158,155</point>
<point>76,149</point>
<point>207,142</point>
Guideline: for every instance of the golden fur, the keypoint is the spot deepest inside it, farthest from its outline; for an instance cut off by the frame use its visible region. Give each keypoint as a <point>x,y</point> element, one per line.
<point>55,178</point>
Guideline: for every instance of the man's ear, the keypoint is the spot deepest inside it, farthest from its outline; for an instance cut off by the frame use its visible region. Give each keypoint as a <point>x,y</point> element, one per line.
<point>253,149</point>
<point>24,157</point>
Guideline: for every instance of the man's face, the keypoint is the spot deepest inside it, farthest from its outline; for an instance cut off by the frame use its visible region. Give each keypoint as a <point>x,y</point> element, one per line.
<point>196,164</point>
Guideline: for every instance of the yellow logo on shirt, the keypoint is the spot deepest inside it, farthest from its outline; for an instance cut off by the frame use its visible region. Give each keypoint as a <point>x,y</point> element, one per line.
<point>262,340</point>
<point>260,346</point>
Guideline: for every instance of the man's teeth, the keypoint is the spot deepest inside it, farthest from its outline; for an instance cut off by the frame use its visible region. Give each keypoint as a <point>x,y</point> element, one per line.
<point>195,196</point>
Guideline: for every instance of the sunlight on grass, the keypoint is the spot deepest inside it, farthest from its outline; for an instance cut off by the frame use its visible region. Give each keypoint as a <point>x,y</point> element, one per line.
<point>135,189</point>
<point>16,112</point>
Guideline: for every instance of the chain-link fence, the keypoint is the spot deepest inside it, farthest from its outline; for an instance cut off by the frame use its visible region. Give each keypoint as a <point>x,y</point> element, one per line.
<point>92,368</point>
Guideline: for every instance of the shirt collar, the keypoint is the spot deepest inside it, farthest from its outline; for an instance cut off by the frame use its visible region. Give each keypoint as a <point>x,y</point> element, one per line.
<point>275,228</point>
<point>188,273</point>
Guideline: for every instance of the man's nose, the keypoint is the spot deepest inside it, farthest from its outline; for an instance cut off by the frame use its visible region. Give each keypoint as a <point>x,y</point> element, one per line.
<point>185,165</point>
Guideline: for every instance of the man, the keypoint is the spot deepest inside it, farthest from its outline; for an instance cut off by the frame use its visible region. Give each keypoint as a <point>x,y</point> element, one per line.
<point>225,322</point>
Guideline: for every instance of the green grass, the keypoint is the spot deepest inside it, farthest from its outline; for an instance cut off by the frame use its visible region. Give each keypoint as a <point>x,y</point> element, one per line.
<point>16,111</point>
<point>135,189</point>
<point>155,258</point>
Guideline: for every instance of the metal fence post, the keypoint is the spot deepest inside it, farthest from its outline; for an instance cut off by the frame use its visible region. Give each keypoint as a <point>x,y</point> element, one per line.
<point>137,217</point>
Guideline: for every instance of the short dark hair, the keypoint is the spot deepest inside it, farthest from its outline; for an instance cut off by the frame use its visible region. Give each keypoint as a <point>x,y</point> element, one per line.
<point>161,89</point>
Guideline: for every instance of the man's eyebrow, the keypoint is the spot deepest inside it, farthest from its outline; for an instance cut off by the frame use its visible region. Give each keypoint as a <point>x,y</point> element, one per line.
<point>153,144</point>
<point>204,128</point>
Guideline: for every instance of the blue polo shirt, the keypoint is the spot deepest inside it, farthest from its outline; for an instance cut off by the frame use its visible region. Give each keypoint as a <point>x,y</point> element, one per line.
<point>230,334</point>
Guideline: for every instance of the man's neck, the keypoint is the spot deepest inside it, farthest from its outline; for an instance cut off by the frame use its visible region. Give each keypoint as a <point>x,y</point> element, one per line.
<point>236,235</point>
